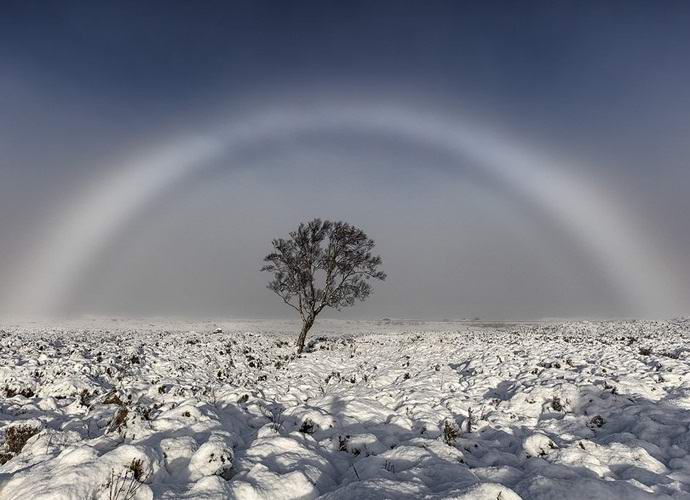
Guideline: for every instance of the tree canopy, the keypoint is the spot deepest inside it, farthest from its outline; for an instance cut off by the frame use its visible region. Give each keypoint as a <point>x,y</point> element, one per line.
<point>322,264</point>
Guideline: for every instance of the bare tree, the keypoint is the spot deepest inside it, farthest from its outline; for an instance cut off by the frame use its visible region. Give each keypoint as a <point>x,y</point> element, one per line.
<point>322,264</point>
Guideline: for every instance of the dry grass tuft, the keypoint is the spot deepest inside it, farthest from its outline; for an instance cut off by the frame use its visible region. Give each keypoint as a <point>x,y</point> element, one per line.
<point>16,437</point>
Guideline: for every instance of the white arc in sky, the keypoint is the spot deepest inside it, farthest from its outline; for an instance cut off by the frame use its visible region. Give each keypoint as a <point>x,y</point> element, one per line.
<point>612,241</point>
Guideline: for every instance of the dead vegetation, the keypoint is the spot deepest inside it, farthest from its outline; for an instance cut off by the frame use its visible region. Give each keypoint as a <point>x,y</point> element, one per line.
<point>118,420</point>
<point>307,426</point>
<point>124,485</point>
<point>16,437</point>
<point>11,392</point>
<point>450,433</point>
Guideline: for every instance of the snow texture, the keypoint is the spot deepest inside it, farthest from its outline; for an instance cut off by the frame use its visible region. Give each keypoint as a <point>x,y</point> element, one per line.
<point>390,409</point>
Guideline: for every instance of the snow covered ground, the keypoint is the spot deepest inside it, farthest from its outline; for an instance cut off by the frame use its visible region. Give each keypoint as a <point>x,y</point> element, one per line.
<point>139,409</point>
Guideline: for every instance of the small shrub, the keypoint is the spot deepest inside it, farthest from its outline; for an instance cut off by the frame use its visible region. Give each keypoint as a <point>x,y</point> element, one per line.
<point>84,398</point>
<point>344,445</point>
<point>113,399</point>
<point>137,468</point>
<point>124,486</point>
<point>549,364</point>
<point>556,404</point>
<point>645,351</point>
<point>17,436</point>
<point>26,392</point>
<point>146,413</point>
<point>450,433</point>
<point>597,421</point>
<point>342,442</point>
<point>320,342</point>
<point>307,426</point>
<point>118,420</point>
<point>5,457</point>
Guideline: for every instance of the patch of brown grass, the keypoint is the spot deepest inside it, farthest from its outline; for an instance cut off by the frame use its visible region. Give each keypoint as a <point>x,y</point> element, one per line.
<point>16,437</point>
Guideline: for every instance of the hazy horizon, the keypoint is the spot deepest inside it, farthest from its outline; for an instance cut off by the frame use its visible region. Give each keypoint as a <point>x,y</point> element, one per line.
<point>510,161</point>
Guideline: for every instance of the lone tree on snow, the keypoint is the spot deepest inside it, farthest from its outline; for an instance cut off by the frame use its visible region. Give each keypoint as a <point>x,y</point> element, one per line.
<point>322,264</point>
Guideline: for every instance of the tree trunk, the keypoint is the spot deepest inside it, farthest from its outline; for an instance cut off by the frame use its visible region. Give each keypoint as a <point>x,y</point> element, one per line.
<point>306,325</point>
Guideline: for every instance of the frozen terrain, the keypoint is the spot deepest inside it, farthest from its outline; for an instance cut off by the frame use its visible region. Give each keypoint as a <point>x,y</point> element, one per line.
<point>137,409</point>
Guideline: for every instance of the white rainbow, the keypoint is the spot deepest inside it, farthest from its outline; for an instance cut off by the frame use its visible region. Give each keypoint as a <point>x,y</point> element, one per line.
<point>577,204</point>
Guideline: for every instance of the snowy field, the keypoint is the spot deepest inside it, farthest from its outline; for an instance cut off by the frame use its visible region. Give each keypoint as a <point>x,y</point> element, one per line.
<point>137,409</point>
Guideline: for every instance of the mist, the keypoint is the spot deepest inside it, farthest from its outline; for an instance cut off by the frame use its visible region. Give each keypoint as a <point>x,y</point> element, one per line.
<point>90,97</point>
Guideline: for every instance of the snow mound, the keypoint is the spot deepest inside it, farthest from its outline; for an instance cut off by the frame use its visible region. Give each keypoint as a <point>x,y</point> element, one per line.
<point>555,410</point>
